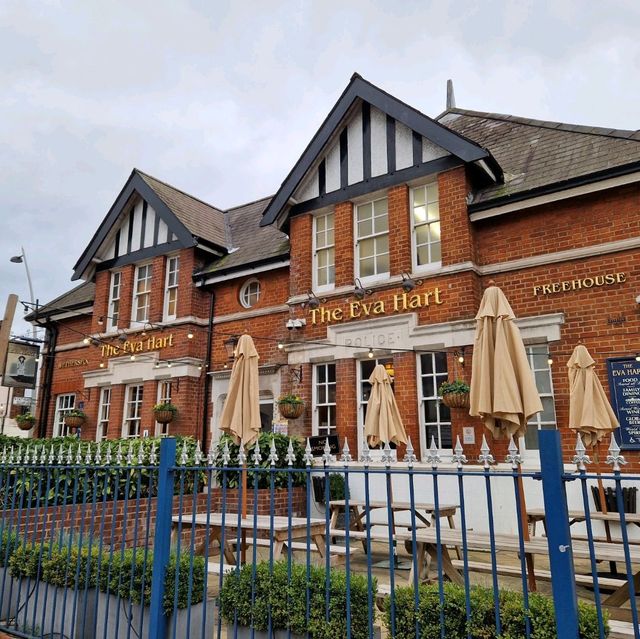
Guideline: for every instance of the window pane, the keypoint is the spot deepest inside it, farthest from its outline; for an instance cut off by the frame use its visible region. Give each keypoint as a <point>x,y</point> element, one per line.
<point>548,413</point>
<point>432,192</point>
<point>323,416</point>
<point>419,215</point>
<point>366,248</point>
<point>426,362</point>
<point>382,264</point>
<point>332,372</point>
<point>441,362</point>
<point>434,230</point>
<point>543,382</point>
<point>422,234</point>
<point>428,386</point>
<point>367,267</point>
<point>365,211</point>
<point>418,196</point>
<point>433,211</point>
<point>332,394</point>
<point>423,255</point>
<point>365,228</point>
<point>380,206</point>
<point>436,252</point>
<point>531,438</point>
<point>381,224</point>
<point>445,413</point>
<point>320,224</point>
<point>382,244</point>
<point>431,410</point>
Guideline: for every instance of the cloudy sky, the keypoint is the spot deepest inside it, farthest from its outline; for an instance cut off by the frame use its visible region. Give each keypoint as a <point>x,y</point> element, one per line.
<point>220,98</point>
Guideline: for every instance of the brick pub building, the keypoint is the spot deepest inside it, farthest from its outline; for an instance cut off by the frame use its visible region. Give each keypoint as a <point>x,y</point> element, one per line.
<point>376,248</point>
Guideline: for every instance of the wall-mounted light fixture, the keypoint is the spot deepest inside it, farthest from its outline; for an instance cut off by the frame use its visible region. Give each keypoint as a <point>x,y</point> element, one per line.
<point>230,344</point>
<point>360,291</point>
<point>122,337</point>
<point>296,374</point>
<point>460,356</point>
<point>408,283</point>
<point>370,353</point>
<point>100,320</point>
<point>390,370</point>
<point>313,301</point>
<point>637,357</point>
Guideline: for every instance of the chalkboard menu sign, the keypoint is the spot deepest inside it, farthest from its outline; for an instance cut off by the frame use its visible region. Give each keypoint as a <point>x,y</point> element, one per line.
<point>624,382</point>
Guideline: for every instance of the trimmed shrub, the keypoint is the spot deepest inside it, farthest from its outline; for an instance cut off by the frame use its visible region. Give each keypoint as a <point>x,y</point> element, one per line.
<point>287,599</point>
<point>482,622</point>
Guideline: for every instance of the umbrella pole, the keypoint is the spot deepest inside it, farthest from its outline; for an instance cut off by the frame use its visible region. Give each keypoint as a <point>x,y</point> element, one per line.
<point>531,575</point>
<point>603,503</point>
<point>243,474</point>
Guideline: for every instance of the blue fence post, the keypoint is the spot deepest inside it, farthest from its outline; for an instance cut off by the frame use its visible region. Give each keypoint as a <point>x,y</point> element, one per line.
<point>162,538</point>
<point>563,582</point>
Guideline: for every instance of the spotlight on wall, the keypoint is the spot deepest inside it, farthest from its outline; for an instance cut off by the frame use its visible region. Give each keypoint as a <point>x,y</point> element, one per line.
<point>157,365</point>
<point>550,361</point>
<point>86,341</point>
<point>280,346</point>
<point>122,337</point>
<point>637,357</point>
<point>100,320</point>
<point>408,283</point>
<point>370,353</point>
<point>169,364</point>
<point>359,291</point>
<point>101,364</point>
<point>189,335</point>
<point>133,358</point>
<point>312,301</point>
<point>460,355</point>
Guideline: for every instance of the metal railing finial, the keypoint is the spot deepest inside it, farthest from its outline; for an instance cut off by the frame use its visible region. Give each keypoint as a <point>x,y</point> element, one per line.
<point>308,455</point>
<point>433,455</point>
<point>513,457</point>
<point>346,453</point>
<point>581,458</point>
<point>290,457</point>
<point>458,458</point>
<point>257,457</point>
<point>409,456</point>
<point>365,457</point>
<point>273,453</point>
<point>387,457</point>
<point>614,457</point>
<point>485,458</point>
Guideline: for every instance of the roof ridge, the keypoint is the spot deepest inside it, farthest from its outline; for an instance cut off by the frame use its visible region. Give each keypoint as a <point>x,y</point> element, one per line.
<point>626,134</point>
<point>241,206</point>
<point>193,197</point>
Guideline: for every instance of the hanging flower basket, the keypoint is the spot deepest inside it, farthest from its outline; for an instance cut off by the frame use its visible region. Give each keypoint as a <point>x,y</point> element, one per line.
<point>164,413</point>
<point>456,400</point>
<point>455,394</point>
<point>25,422</point>
<point>291,406</point>
<point>75,419</point>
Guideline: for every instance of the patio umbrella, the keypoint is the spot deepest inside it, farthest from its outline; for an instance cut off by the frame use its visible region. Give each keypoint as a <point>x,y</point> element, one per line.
<point>383,423</point>
<point>590,413</point>
<point>241,412</point>
<point>503,390</point>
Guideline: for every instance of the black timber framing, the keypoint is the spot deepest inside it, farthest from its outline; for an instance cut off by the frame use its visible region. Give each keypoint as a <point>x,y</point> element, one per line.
<point>366,140</point>
<point>134,185</point>
<point>437,133</point>
<point>142,254</point>
<point>391,144</point>
<point>377,183</point>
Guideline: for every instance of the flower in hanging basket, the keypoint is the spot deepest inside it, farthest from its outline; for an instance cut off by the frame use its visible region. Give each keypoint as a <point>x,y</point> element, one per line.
<point>165,412</point>
<point>25,421</point>
<point>291,405</point>
<point>455,394</point>
<point>75,418</point>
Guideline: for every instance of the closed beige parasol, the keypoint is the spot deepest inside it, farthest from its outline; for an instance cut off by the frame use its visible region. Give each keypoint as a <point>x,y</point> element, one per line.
<point>383,423</point>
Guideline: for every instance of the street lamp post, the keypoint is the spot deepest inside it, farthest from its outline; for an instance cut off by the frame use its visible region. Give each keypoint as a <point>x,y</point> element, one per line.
<point>22,259</point>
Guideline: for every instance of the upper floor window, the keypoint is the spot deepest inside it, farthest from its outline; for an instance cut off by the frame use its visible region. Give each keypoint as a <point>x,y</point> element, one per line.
<point>114,300</point>
<point>372,239</point>
<point>426,225</point>
<point>324,267</point>
<point>250,293</point>
<point>64,404</point>
<point>142,294</point>
<point>171,288</point>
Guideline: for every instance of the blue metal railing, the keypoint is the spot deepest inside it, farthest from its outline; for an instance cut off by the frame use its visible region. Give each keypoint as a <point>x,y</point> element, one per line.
<point>161,542</point>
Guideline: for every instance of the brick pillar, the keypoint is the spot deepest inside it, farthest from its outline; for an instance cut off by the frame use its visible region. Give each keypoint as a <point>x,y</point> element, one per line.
<point>301,259</point>
<point>101,302</point>
<point>347,402</point>
<point>156,307</point>
<point>126,296</point>
<point>406,392</point>
<point>399,230</point>
<point>343,229</point>
<point>457,232</point>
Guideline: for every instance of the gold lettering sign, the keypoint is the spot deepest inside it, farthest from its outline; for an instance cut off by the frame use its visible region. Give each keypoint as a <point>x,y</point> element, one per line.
<point>72,363</point>
<point>575,285</point>
<point>400,303</point>
<point>137,346</point>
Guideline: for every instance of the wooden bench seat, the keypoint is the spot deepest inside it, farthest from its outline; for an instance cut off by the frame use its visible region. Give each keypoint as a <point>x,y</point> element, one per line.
<point>338,553</point>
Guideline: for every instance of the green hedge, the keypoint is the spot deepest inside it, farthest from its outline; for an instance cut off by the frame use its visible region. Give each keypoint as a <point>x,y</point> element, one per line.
<point>482,622</point>
<point>26,486</point>
<point>287,599</point>
<point>125,574</point>
<point>8,544</point>
<point>280,479</point>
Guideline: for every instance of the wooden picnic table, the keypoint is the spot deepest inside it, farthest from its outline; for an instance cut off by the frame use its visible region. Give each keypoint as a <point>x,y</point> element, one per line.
<point>280,530</point>
<point>535,515</point>
<point>428,547</point>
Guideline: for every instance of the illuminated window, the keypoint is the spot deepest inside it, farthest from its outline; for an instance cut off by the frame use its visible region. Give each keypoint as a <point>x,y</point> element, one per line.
<point>171,288</point>
<point>426,225</point>
<point>372,239</point>
<point>324,251</point>
<point>142,294</point>
<point>114,301</point>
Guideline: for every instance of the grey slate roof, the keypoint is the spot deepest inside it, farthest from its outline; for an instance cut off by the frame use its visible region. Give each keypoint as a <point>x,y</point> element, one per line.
<point>537,153</point>
<point>249,242</point>
<point>78,297</point>
<point>202,219</point>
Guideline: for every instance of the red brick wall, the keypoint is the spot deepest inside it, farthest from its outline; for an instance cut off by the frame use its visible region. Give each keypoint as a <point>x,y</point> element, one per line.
<point>400,229</point>
<point>343,233</point>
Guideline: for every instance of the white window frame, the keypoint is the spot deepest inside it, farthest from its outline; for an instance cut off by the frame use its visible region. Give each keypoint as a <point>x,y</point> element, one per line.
<point>104,410</point>
<point>171,286</point>
<point>164,396</point>
<point>438,378</point>
<point>533,454</point>
<point>136,295</point>
<point>113,316</point>
<point>69,401</point>
<point>434,265</point>
<point>243,292</point>
<point>326,247</point>
<point>315,424</point>
<point>126,419</point>
<point>357,240</point>
<point>376,453</point>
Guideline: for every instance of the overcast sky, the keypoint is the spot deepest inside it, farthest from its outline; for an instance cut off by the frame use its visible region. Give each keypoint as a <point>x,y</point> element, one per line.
<point>220,98</point>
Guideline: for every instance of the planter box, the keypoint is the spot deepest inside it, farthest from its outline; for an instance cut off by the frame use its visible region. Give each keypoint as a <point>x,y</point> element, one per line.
<point>42,609</point>
<point>10,594</point>
<point>116,616</point>
<point>245,633</point>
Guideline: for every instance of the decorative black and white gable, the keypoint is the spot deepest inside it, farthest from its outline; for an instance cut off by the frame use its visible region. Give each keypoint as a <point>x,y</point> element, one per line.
<point>370,141</point>
<point>151,218</point>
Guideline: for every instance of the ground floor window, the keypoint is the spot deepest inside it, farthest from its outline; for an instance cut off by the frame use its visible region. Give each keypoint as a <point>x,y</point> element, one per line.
<point>132,410</point>
<point>434,415</point>
<point>103,414</point>
<point>266,414</point>
<point>324,399</point>
<point>538,356</point>
<point>365,369</point>
<point>164,397</point>
<point>64,404</point>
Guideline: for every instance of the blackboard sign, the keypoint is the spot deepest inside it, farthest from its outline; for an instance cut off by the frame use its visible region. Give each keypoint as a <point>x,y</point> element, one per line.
<point>317,445</point>
<point>624,383</point>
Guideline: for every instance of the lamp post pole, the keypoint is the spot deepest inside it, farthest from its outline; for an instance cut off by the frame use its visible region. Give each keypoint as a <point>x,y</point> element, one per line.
<point>22,258</point>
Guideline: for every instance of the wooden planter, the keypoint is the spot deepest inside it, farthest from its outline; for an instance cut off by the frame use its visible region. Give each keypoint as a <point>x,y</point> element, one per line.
<point>290,410</point>
<point>456,400</point>
<point>74,421</point>
<point>164,416</point>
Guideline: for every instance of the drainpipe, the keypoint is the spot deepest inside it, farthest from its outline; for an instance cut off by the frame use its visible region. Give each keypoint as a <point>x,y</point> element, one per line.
<point>45,388</point>
<point>207,377</point>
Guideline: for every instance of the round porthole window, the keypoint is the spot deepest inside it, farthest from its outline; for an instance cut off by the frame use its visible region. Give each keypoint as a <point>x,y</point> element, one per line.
<point>250,293</point>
